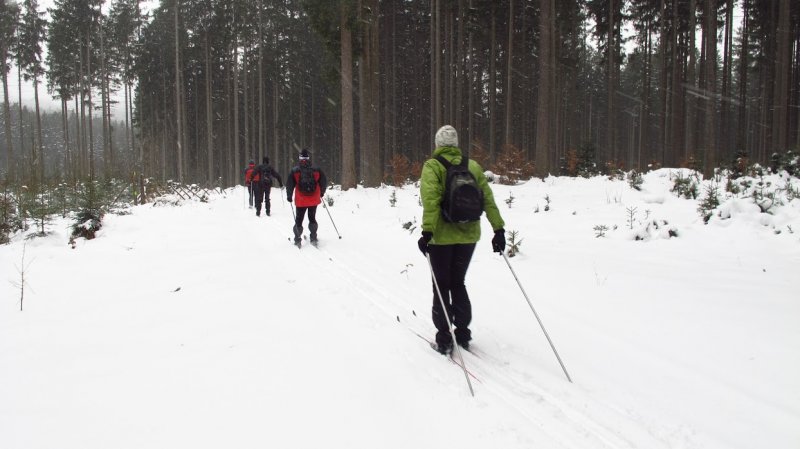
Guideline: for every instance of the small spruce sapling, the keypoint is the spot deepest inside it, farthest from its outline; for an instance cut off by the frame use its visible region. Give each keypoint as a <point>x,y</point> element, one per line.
<point>547,203</point>
<point>763,196</point>
<point>22,282</point>
<point>513,243</point>
<point>709,203</point>
<point>393,198</point>
<point>631,216</point>
<point>600,231</point>
<point>685,186</point>
<point>510,199</point>
<point>90,215</point>
<point>635,180</point>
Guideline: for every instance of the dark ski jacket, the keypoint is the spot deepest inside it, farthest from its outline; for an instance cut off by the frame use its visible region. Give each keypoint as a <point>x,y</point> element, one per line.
<point>264,173</point>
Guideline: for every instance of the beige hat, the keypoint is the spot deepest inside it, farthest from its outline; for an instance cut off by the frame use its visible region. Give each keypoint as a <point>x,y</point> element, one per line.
<point>446,137</point>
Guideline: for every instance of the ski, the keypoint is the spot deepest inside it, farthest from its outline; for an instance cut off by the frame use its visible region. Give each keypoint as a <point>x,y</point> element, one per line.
<point>450,356</point>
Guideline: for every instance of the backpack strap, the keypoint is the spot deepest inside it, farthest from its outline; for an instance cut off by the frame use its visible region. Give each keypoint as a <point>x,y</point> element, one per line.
<point>443,161</point>
<point>447,164</point>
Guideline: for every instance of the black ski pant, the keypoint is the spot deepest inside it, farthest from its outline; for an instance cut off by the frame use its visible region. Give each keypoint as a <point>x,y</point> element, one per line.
<point>450,263</point>
<point>312,222</point>
<point>262,192</point>
<point>250,193</point>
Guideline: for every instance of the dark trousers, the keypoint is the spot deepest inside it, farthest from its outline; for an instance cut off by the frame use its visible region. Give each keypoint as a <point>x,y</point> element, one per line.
<point>250,193</point>
<point>312,222</point>
<point>262,192</point>
<point>450,263</point>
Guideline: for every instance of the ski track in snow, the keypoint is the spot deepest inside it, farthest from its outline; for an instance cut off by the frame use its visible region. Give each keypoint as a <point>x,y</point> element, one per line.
<point>516,389</point>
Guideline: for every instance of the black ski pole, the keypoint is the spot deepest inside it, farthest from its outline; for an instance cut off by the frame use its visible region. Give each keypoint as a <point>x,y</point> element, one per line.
<point>537,317</point>
<point>329,216</point>
<point>449,325</point>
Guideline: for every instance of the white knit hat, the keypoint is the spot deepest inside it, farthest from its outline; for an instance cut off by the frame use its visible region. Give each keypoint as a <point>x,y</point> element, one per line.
<point>446,137</point>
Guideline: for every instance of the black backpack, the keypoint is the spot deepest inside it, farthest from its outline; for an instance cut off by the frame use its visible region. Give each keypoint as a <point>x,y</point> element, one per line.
<point>463,198</point>
<point>266,175</point>
<point>307,185</point>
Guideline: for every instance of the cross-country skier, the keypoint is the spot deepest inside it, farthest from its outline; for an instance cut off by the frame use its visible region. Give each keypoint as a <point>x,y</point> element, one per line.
<point>262,184</point>
<point>308,184</point>
<point>449,244</point>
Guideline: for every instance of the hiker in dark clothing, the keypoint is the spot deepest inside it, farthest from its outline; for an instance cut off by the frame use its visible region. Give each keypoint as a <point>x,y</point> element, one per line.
<point>308,183</point>
<point>262,184</point>
<point>450,245</point>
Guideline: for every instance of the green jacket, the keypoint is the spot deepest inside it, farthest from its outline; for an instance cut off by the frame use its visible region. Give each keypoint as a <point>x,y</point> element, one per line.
<point>431,189</point>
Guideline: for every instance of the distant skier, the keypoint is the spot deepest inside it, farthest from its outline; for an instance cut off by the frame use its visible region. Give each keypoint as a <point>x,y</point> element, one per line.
<point>262,184</point>
<point>308,184</point>
<point>248,178</point>
<point>450,243</point>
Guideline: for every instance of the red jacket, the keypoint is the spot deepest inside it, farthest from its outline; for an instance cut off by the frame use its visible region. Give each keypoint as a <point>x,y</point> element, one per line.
<point>248,173</point>
<point>301,199</point>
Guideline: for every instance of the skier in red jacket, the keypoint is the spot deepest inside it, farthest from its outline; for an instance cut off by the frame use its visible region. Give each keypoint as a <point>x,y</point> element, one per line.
<point>308,183</point>
<point>248,178</point>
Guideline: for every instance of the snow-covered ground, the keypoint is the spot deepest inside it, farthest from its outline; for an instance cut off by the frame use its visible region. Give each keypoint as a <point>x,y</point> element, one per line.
<point>201,326</point>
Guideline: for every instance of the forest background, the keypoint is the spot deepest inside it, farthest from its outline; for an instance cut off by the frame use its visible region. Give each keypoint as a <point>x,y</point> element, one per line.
<point>534,87</point>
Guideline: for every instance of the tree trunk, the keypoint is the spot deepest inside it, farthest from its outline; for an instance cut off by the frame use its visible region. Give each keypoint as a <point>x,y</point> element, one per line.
<point>664,38</point>
<point>507,140</point>
<point>710,38</point>
<point>346,60</point>
<point>237,156</point>
<point>470,132</point>
<point>741,125</point>
<point>691,75</point>
<point>276,107</point>
<point>209,115</point>
<point>458,113</point>
<point>90,124</point>
<point>65,131</point>
<point>726,142</point>
<point>178,87</point>
<point>11,172</point>
<point>437,64</point>
<point>103,103</point>
<point>492,81</point>
<point>544,96</point>
<point>21,121</point>
<point>369,84</point>
<point>245,106</point>
<point>611,141</point>
<point>780,98</point>
<point>40,141</point>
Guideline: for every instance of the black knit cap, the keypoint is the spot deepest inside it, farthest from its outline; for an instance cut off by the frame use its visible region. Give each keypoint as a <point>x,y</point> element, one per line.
<point>265,160</point>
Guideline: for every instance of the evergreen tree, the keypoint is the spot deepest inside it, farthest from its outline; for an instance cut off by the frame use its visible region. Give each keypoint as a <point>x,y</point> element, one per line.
<point>9,20</point>
<point>31,36</point>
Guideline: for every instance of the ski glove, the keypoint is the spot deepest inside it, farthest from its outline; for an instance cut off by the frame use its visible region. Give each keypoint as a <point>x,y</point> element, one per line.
<point>423,241</point>
<point>289,199</point>
<point>499,240</point>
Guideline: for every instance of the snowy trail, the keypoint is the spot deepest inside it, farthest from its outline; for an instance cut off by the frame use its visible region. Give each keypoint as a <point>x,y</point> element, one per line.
<point>202,325</point>
<point>552,416</point>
